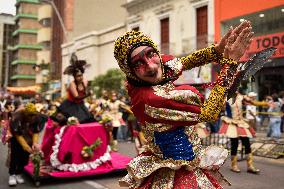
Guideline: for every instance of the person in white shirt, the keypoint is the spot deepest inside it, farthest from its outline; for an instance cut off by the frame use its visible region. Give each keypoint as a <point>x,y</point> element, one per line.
<point>251,111</point>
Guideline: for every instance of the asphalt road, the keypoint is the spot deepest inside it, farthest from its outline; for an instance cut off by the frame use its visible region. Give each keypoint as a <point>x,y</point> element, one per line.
<point>271,176</point>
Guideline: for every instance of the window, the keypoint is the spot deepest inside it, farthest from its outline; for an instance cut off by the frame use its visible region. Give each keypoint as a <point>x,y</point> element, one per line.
<point>46,22</point>
<point>201,27</point>
<point>136,28</point>
<point>265,22</point>
<point>165,35</point>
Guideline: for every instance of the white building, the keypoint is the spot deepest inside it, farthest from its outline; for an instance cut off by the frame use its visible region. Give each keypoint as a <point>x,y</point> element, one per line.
<point>96,48</point>
<point>7,25</point>
<point>95,26</point>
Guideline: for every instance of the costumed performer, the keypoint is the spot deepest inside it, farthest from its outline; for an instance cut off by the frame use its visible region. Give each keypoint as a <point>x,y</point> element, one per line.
<point>167,113</point>
<point>76,93</point>
<point>237,128</point>
<point>115,105</point>
<point>25,126</point>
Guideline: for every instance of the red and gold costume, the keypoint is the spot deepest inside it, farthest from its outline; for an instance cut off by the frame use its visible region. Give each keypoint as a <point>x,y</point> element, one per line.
<point>74,106</point>
<point>167,114</point>
<point>236,125</point>
<point>237,128</point>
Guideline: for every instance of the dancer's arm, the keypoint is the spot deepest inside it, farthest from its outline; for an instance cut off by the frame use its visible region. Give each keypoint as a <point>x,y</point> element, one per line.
<point>211,109</point>
<point>36,146</point>
<point>260,103</point>
<point>200,58</point>
<point>23,143</point>
<point>214,53</point>
<point>74,92</point>
<point>35,138</point>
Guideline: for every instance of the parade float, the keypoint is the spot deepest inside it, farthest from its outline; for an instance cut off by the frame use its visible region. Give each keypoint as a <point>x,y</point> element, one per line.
<point>74,150</point>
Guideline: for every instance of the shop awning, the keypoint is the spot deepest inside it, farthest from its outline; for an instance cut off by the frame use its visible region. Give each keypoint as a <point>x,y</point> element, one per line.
<point>24,90</point>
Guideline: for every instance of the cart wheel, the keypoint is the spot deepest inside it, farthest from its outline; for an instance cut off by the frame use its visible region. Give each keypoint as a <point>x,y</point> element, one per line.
<point>37,183</point>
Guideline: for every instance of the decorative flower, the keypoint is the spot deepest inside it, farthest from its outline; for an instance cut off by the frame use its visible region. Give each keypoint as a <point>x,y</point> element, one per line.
<point>106,120</point>
<point>36,158</point>
<point>88,151</point>
<point>72,121</point>
<point>56,163</point>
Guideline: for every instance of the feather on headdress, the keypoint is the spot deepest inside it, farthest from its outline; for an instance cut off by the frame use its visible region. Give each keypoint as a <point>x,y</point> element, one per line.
<point>249,68</point>
<point>30,108</point>
<point>75,65</point>
<point>125,44</point>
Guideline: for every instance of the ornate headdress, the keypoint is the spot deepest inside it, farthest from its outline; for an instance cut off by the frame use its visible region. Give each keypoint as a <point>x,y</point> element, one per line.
<point>75,65</point>
<point>123,47</point>
<point>30,108</point>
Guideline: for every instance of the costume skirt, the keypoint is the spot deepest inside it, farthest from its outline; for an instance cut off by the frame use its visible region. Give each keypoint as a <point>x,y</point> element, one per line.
<point>234,128</point>
<point>147,172</point>
<point>78,110</point>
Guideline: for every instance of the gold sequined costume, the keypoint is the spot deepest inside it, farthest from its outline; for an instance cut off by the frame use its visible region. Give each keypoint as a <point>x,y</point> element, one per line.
<point>168,113</point>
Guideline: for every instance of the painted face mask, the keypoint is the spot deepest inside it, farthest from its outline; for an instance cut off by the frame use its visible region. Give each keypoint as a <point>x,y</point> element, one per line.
<point>123,48</point>
<point>127,43</point>
<point>146,57</point>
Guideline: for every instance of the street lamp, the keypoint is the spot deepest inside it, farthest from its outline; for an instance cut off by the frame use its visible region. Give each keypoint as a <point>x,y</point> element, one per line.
<point>58,16</point>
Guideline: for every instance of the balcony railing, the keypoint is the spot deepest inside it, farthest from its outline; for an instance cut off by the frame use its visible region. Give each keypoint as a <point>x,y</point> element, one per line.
<point>24,46</point>
<point>28,1</point>
<point>23,15</point>
<point>21,76</point>
<point>30,31</point>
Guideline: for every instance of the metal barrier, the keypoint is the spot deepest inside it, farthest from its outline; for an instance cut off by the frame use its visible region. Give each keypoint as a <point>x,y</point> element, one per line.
<point>216,139</point>
<point>224,141</point>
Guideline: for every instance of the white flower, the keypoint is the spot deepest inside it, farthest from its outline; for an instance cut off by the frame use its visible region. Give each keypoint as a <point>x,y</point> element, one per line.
<point>72,121</point>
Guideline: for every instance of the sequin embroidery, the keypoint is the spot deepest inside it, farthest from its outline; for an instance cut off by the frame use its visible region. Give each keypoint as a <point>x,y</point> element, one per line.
<point>169,114</point>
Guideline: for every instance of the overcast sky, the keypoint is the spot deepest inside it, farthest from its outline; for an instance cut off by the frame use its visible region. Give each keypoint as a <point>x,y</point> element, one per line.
<point>8,6</point>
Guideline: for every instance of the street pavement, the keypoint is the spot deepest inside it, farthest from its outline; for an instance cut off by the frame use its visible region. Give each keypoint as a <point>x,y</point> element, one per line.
<point>271,175</point>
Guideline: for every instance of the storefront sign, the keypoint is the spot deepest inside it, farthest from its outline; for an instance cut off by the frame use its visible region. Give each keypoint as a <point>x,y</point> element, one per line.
<point>261,42</point>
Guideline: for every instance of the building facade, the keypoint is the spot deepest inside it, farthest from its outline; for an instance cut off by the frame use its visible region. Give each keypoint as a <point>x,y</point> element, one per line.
<point>93,35</point>
<point>7,26</point>
<point>25,47</point>
<point>62,27</point>
<point>44,39</point>
<point>267,19</point>
<point>96,48</point>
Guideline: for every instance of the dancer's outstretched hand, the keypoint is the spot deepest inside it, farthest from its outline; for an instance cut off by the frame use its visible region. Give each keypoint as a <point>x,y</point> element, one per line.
<point>35,147</point>
<point>220,47</point>
<point>237,45</point>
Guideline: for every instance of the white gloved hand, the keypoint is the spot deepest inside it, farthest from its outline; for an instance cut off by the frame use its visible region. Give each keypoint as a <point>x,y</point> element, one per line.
<point>213,158</point>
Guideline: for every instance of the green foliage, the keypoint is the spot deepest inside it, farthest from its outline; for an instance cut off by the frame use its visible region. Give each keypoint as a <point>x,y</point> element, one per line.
<point>36,158</point>
<point>112,80</point>
<point>88,151</point>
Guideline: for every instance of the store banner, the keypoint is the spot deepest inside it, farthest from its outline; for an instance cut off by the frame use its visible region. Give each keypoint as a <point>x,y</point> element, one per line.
<point>262,42</point>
